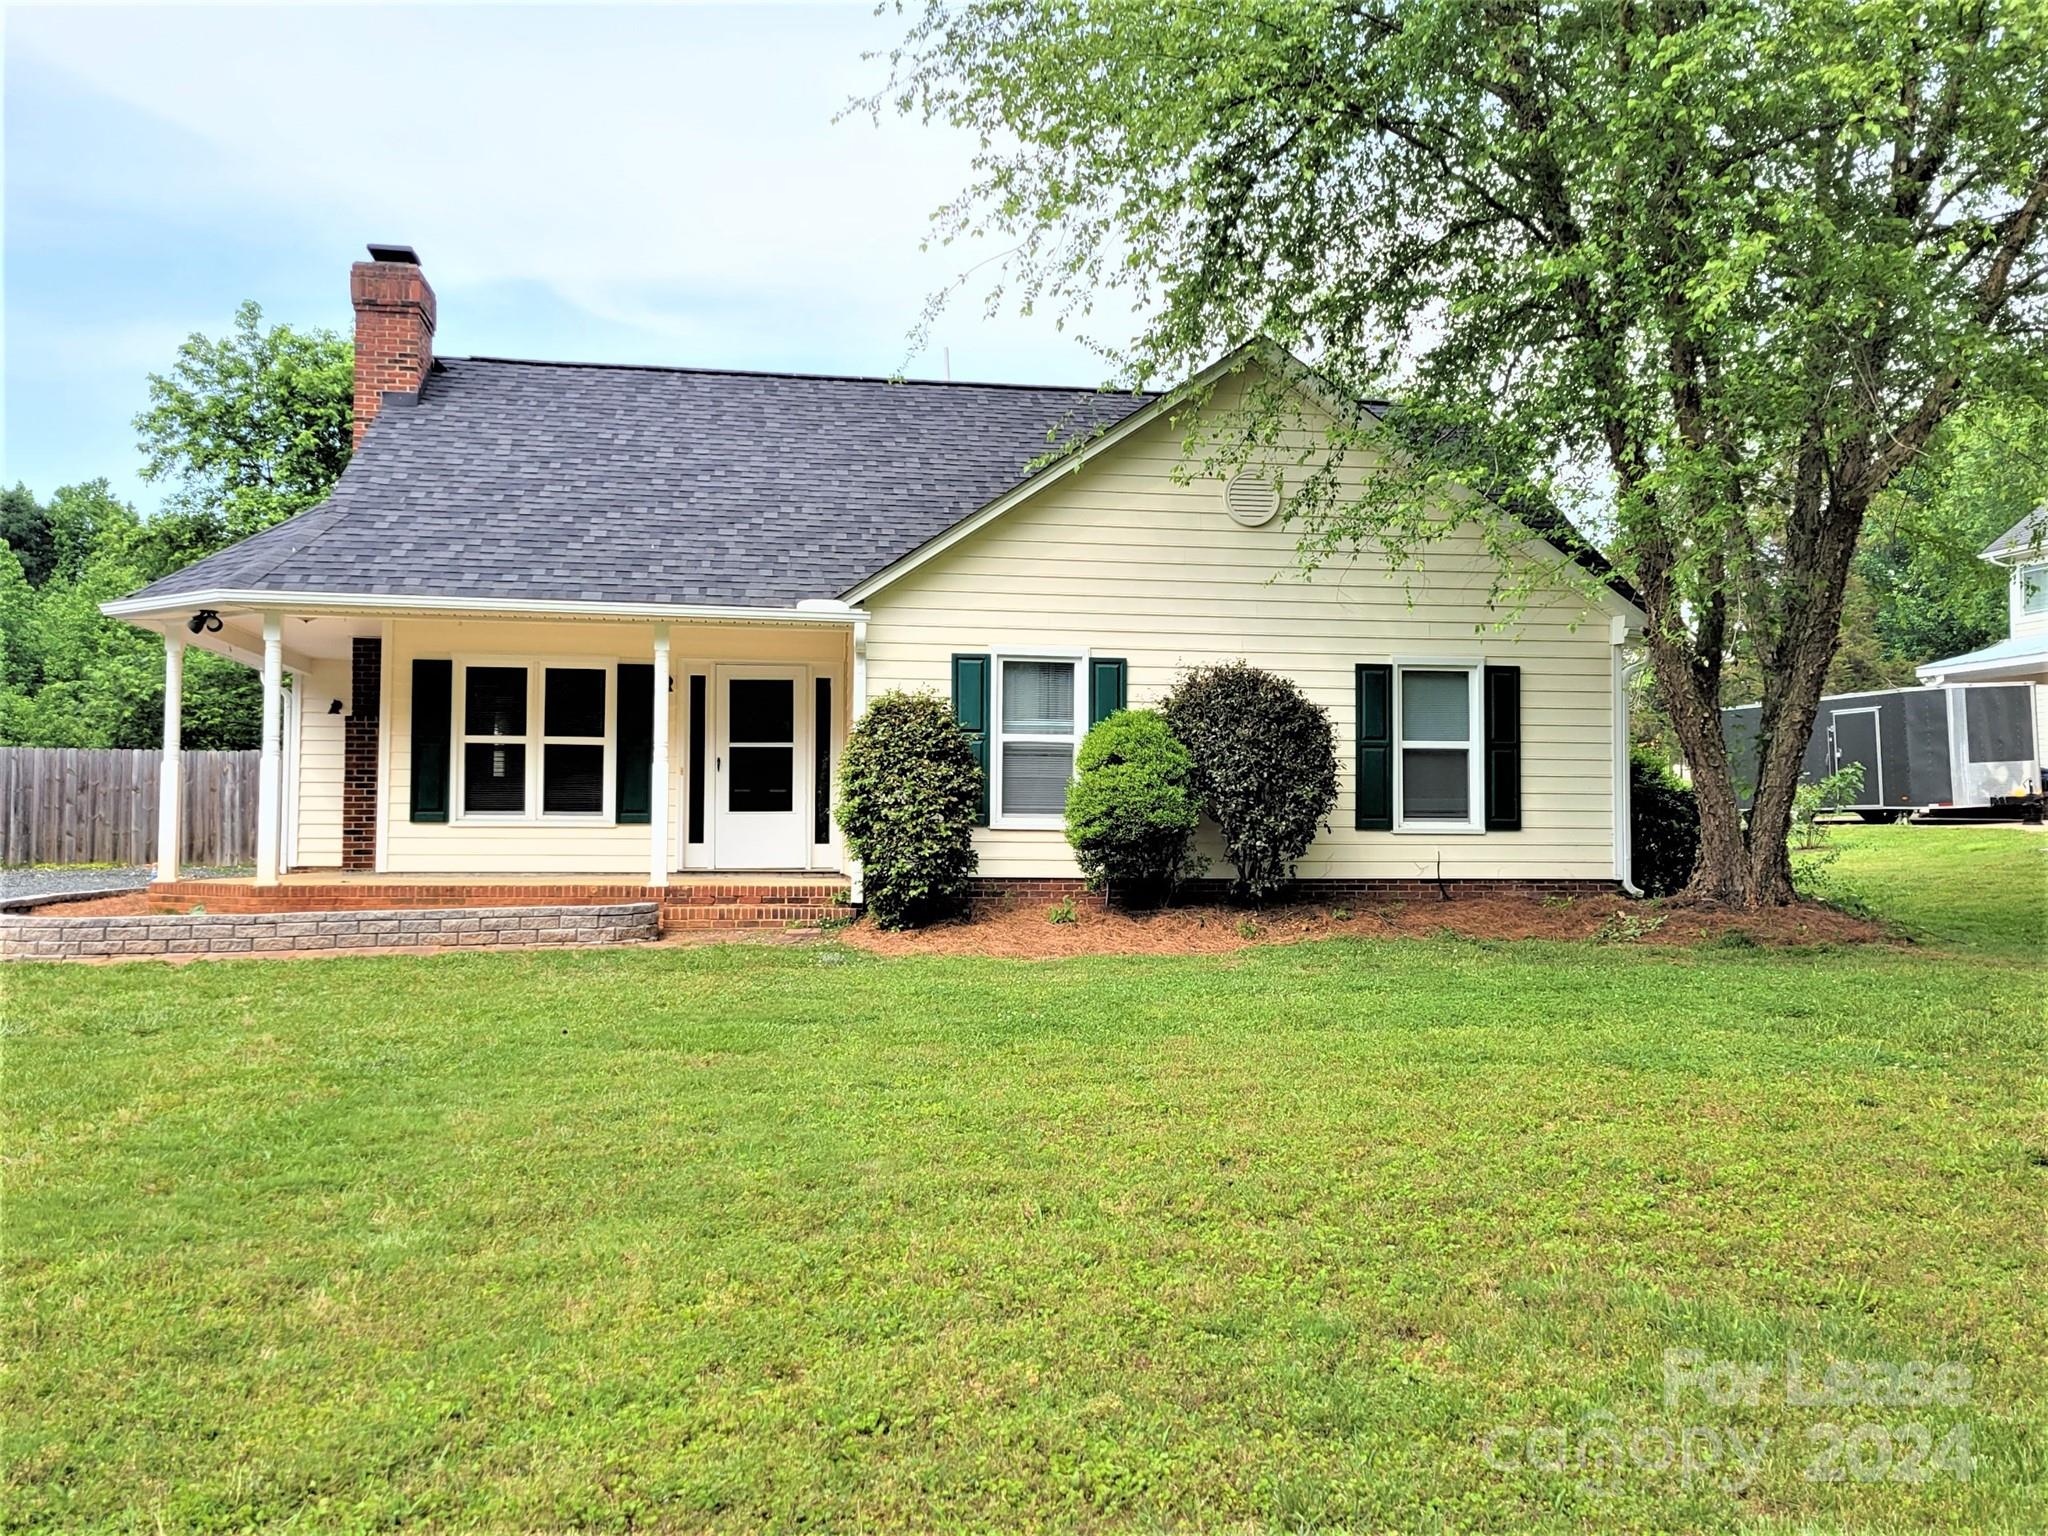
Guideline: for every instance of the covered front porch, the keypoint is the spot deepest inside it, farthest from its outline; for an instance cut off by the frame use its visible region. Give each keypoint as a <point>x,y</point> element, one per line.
<point>464,754</point>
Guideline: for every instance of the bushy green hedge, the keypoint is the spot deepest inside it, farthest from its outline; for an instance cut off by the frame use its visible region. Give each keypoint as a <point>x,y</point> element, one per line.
<point>1265,766</point>
<point>1131,813</point>
<point>908,786</point>
<point>1664,821</point>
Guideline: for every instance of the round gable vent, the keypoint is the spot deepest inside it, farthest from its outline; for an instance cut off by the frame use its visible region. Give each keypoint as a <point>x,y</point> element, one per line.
<point>1251,499</point>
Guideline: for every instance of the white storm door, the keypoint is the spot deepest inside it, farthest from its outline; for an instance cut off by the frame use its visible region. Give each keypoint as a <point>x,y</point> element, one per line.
<point>760,771</point>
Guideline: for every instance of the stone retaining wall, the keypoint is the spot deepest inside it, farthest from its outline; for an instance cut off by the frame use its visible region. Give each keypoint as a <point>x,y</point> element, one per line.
<point>72,938</point>
<point>686,905</point>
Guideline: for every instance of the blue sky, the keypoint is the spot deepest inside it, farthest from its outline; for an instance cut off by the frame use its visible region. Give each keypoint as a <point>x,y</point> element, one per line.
<point>631,184</point>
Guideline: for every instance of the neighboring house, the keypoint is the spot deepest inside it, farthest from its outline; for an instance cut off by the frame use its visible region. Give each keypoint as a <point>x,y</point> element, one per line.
<point>569,620</point>
<point>2023,655</point>
<point>1978,730</point>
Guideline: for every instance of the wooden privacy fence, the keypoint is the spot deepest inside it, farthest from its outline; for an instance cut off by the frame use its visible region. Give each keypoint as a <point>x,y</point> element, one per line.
<point>90,805</point>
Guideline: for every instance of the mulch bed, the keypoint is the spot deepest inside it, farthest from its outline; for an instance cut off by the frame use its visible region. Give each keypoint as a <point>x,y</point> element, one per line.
<point>1024,931</point>
<point>127,904</point>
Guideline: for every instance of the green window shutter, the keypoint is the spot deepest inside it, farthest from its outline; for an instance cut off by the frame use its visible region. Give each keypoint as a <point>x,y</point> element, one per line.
<point>633,767</point>
<point>433,692</point>
<point>1503,749</point>
<point>1106,687</point>
<point>821,780</point>
<point>699,737</point>
<point>970,708</point>
<point>1373,794</point>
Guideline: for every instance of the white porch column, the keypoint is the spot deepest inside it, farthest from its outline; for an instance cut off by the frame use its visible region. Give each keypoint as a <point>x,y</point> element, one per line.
<point>170,782</point>
<point>857,706</point>
<point>658,858</point>
<point>269,778</point>
<point>860,669</point>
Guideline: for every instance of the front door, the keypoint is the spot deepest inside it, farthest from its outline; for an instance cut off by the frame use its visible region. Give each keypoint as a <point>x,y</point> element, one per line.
<point>759,776</point>
<point>1856,741</point>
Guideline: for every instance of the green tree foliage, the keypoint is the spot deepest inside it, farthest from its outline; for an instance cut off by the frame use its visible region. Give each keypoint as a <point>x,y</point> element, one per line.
<point>1732,263</point>
<point>1932,596</point>
<point>1664,827</point>
<point>252,427</point>
<point>908,788</point>
<point>25,529</point>
<point>1265,766</point>
<point>70,676</point>
<point>1131,813</point>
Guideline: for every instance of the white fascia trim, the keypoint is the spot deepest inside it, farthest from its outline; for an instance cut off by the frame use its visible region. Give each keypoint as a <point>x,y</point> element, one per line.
<point>2018,669</point>
<point>808,611</point>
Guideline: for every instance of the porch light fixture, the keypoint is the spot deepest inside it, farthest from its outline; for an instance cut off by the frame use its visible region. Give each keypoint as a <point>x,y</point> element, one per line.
<point>205,619</point>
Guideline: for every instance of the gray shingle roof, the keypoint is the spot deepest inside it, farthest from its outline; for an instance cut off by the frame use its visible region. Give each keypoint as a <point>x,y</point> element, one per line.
<point>2027,536</point>
<point>588,483</point>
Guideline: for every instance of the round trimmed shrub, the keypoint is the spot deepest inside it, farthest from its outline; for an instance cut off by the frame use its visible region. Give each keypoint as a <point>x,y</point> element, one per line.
<point>908,788</point>
<point>1664,823</point>
<point>1265,767</point>
<point>1131,813</point>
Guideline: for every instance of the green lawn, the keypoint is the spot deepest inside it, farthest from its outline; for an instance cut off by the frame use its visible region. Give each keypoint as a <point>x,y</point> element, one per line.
<point>1977,888</point>
<point>780,1238</point>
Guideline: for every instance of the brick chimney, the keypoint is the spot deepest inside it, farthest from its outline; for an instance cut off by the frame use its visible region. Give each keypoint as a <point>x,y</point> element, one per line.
<point>394,328</point>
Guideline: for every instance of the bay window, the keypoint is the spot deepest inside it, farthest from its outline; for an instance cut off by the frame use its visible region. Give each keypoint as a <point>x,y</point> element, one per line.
<point>1437,762</point>
<point>1038,726</point>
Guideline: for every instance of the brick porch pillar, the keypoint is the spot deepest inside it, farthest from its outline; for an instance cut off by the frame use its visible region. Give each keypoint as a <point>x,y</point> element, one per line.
<point>359,756</point>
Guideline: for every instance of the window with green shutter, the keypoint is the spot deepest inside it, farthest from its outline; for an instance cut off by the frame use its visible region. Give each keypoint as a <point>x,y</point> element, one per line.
<point>1373,789</point>
<point>433,688</point>
<point>1503,749</point>
<point>634,769</point>
<point>1106,687</point>
<point>970,708</point>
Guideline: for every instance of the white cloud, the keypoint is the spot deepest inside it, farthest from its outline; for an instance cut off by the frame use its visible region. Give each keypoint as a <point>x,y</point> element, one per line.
<point>676,169</point>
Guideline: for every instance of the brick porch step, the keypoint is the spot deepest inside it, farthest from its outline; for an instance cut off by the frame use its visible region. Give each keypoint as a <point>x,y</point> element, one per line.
<point>767,901</point>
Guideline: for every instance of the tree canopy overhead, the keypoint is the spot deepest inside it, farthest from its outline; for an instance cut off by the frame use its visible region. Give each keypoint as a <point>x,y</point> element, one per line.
<point>252,427</point>
<point>1737,258</point>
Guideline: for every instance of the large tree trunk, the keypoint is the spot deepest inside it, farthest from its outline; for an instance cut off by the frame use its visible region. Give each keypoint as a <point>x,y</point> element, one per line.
<point>1746,861</point>
<point>1728,870</point>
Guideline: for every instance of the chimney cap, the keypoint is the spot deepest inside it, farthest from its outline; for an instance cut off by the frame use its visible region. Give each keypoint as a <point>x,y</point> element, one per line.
<point>405,255</point>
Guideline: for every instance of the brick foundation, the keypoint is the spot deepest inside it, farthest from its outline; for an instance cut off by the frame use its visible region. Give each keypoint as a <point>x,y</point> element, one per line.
<point>994,891</point>
<point>359,755</point>
<point>214,933</point>
<point>684,906</point>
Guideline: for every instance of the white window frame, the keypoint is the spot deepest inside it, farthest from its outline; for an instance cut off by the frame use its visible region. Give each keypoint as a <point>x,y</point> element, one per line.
<point>1078,659</point>
<point>2035,574</point>
<point>1474,746</point>
<point>535,741</point>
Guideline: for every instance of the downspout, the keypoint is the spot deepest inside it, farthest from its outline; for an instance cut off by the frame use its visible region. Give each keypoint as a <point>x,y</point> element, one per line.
<point>1624,818</point>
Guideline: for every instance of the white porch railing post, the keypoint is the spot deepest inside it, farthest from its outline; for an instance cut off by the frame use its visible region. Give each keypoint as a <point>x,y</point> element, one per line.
<point>170,782</point>
<point>657,874</point>
<point>269,776</point>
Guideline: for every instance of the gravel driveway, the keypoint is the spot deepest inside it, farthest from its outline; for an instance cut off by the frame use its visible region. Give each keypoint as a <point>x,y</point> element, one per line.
<point>64,879</point>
